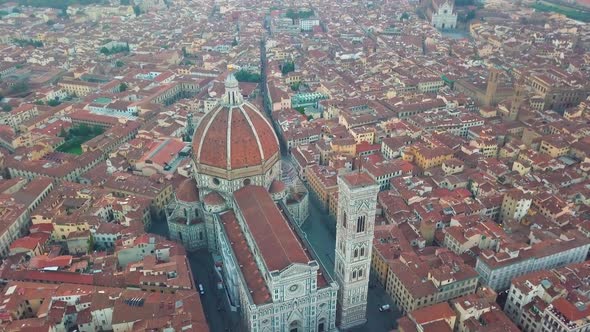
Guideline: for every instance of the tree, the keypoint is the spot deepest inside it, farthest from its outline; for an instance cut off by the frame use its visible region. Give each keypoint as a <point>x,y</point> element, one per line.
<point>405,16</point>
<point>292,14</point>
<point>136,10</point>
<point>63,13</point>
<point>234,42</point>
<point>50,22</point>
<point>125,2</point>
<point>123,87</point>
<point>246,76</point>
<point>39,102</point>
<point>105,50</point>
<point>53,102</point>
<point>6,107</point>
<point>119,64</point>
<point>20,87</point>
<point>287,67</point>
<point>90,243</point>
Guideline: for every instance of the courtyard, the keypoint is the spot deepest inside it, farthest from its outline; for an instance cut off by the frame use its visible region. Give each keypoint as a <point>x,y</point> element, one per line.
<point>76,136</point>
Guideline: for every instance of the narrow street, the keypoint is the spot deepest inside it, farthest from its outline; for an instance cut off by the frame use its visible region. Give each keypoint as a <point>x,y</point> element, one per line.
<point>215,304</point>
<point>214,301</point>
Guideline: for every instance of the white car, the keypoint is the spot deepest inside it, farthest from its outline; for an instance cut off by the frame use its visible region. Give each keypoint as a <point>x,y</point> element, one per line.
<point>201,289</point>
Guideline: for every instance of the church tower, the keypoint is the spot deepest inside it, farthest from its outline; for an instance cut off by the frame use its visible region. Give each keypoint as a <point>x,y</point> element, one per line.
<point>357,200</point>
<point>492,86</point>
<point>517,100</point>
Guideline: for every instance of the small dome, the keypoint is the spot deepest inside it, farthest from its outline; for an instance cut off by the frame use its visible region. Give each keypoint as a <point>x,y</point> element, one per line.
<point>187,191</point>
<point>213,199</point>
<point>276,187</point>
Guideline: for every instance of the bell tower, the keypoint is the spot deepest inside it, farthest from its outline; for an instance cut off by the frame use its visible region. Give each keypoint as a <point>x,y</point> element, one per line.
<point>357,200</point>
<point>517,100</point>
<point>492,87</point>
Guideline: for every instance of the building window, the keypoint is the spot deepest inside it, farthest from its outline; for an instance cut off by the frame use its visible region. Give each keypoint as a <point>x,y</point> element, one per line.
<point>362,251</point>
<point>356,253</point>
<point>344,219</point>
<point>360,224</point>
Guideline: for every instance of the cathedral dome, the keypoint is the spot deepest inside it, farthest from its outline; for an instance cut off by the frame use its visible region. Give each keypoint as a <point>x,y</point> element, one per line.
<point>234,139</point>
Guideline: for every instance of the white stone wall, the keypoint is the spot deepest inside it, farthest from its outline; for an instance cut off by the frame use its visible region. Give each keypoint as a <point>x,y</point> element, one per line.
<point>227,187</point>
<point>305,313</point>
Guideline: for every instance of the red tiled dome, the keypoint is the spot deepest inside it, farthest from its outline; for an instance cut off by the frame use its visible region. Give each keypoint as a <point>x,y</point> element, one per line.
<point>276,186</point>
<point>234,137</point>
<point>187,191</point>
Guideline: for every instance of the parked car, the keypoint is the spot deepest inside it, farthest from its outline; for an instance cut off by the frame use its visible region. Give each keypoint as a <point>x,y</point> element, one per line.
<point>201,289</point>
<point>384,307</point>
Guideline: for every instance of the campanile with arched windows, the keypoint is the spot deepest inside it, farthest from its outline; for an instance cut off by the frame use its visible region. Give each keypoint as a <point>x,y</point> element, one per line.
<point>357,200</point>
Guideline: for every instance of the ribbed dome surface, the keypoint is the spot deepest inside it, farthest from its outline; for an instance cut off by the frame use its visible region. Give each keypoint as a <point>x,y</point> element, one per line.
<point>231,137</point>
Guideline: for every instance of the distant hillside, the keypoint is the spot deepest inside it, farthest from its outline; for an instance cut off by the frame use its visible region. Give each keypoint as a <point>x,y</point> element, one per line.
<point>60,4</point>
<point>576,13</point>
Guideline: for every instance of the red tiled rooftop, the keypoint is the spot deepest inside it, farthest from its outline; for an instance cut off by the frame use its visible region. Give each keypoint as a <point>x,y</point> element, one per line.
<point>569,310</point>
<point>250,271</point>
<point>358,179</point>
<point>40,262</point>
<point>27,242</point>
<point>276,241</point>
<point>432,313</point>
<point>57,277</point>
<point>165,152</point>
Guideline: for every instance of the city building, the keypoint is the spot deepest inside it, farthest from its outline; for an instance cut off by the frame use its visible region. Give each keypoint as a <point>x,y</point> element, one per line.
<point>543,300</point>
<point>515,205</point>
<point>414,283</point>
<point>497,268</point>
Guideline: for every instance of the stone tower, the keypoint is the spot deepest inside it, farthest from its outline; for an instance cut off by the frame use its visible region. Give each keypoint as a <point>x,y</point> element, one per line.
<point>517,100</point>
<point>493,77</point>
<point>357,199</point>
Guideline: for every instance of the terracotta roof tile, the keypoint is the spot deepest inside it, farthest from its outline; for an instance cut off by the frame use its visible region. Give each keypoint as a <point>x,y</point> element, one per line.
<point>278,244</point>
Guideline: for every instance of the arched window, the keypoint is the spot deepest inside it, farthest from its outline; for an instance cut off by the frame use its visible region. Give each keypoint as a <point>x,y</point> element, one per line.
<point>360,224</point>
<point>322,325</point>
<point>344,219</point>
<point>360,273</point>
<point>294,326</point>
<point>362,251</point>
<point>356,253</point>
<point>354,274</point>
